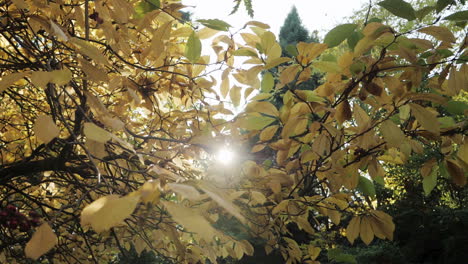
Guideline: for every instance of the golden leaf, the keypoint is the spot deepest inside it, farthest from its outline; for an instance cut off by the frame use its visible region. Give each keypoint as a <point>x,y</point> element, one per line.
<point>96,133</point>
<point>45,128</point>
<point>108,211</point>
<point>10,79</point>
<point>392,133</point>
<point>43,240</point>
<point>192,220</point>
<point>222,200</point>
<point>365,230</point>
<point>426,118</point>
<point>268,133</point>
<point>352,231</point>
<point>385,223</point>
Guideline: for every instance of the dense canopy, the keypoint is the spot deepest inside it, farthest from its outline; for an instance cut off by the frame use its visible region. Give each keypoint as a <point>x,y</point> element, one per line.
<point>111,116</point>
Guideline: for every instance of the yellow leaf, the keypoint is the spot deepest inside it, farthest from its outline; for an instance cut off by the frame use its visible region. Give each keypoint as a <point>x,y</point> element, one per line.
<point>192,220</point>
<point>184,190</point>
<point>289,74</point>
<point>439,32</point>
<point>362,119</point>
<point>224,89</point>
<point>392,133</point>
<point>268,133</point>
<point>365,231</point>
<point>377,227</point>
<point>386,223</point>
<point>43,240</point>
<point>93,73</point>
<point>426,118</point>
<point>58,32</point>
<point>45,128</point>
<point>275,62</point>
<point>258,198</point>
<point>257,148</point>
<point>352,231</point>
<point>263,107</point>
<point>95,148</point>
<point>108,211</point>
<point>313,251</point>
<point>363,46</point>
<point>335,216</point>
<point>222,200</point>
<point>307,52</point>
<point>10,79</point>
<point>235,94</point>
<point>96,133</point>
<point>89,50</point>
<point>149,192</point>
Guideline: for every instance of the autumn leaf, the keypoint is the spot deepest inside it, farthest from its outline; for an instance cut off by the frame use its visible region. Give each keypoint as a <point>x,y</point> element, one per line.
<point>41,242</point>
<point>108,211</point>
<point>45,128</point>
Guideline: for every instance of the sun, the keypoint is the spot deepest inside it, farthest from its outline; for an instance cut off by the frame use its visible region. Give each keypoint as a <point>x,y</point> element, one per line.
<point>225,156</point>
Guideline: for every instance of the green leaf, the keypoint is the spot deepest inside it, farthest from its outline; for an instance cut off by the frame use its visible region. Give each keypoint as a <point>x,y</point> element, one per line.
<point>446,121</point>
<point>366,186</point>
<point>430,181</point>
<point>354,38</point>
<point>338,34</point>
<point>399,8</point>
<point>458,16</point>
<point>215,24</point>
<point>267,82</point>
<point>312,96</point>
<point>292,50</point>
<point>456,107</point>
<point>441,4</point>
<point>257,122</point>
<point>421,13</point>
<point>146,6</point>
<point>337,255</point>
<point>193,48</point>
<point>443,171</point>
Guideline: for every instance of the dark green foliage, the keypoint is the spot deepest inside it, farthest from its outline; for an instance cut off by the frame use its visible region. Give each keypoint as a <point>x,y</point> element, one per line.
<point>131,257</point>
<point>293,31</point>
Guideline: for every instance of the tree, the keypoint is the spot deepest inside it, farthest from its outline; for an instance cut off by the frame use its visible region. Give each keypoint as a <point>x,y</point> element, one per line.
<point>293,31</point>
<point>110,118</point>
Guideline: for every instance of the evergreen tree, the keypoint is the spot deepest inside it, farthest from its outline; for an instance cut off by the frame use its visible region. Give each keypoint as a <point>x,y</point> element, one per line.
<point>293,31</point>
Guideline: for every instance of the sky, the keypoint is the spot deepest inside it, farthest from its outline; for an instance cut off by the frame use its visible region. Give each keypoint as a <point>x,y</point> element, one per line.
<point>320,15</point>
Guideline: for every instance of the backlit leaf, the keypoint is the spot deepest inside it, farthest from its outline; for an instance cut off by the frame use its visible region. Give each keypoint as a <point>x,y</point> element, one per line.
<point>108,211</point>
<point>193,48</point>
<point>215,24</point>
<point>96,133</point>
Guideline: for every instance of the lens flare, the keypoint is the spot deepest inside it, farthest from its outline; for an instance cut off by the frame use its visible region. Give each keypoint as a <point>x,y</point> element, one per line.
<point>225,156</point>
